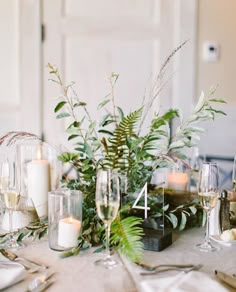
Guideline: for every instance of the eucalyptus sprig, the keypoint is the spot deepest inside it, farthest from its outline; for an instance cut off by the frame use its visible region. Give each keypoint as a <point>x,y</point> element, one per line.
<point>36,230</point>
<point>187,133</point>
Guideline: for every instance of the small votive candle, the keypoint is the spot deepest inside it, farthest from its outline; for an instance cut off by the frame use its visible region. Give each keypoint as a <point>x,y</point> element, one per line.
<point>177,181</point>
<point>68,232</point>
<point>64,218</point>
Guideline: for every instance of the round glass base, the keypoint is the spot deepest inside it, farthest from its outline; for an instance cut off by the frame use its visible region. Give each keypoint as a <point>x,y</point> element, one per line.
<point>13,245</point>
<point>207,247</point>
<point>108,263</point>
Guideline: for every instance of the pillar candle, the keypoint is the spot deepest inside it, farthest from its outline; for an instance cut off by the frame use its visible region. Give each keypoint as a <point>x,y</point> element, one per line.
<point>68,232</point>
<point>177,181</point>
<point>38,172</point>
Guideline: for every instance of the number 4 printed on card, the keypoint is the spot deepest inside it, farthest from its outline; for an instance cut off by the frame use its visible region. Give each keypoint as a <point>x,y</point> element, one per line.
<point>145,207</point>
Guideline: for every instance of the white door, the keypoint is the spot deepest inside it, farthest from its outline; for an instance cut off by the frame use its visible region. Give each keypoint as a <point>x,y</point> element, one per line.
<point>87,40</point>
<point>20,63</point>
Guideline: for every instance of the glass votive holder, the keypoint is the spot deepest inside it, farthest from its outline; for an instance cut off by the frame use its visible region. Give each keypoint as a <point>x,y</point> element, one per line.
<point>38,170</point>
<point>64,218</point>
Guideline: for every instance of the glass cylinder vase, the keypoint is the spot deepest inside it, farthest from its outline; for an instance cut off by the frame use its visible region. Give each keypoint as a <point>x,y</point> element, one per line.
<point>64,218</point>
<point>39,171</point>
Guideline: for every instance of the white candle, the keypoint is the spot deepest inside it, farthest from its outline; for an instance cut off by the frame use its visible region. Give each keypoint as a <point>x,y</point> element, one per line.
<point>38,174</point>
<point>177,181</point>
<point>68,232</point>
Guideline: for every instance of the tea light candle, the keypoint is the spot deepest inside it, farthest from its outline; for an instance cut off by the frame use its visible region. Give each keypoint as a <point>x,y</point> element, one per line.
<point>38,174</point>
<point>68,232</point>
<point>177,181</point>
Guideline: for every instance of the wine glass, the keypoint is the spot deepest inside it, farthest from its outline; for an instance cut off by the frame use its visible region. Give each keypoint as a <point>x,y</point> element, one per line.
<point>107,203</point>
<point>11,197</point>
<point>208,194</point>
<point>4,181</point>
<point>234,175</point>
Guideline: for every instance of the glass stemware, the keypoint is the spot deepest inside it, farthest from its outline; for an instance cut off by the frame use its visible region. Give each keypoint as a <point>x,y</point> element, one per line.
<point>11,198</point>
<point>208,188</point>
<point>107,203</point>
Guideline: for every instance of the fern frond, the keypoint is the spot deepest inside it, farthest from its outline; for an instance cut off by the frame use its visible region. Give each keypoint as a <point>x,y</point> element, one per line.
<point>118,151</point>
<point>127,235</point>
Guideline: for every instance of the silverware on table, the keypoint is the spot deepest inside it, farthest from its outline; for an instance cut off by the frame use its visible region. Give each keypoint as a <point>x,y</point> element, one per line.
<point>30,265</point>
<point>153,268</point>
<point>165,268</point>
<point>228,279</point>
<point>41,282</point>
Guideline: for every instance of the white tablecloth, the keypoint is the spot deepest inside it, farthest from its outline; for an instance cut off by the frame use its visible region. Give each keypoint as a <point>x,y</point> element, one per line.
<point>80,274</point>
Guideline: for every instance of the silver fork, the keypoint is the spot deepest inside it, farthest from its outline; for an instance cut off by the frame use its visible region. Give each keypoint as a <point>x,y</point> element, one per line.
<point>153,268</point>
<point>165,268</point>
<point>30,266</point>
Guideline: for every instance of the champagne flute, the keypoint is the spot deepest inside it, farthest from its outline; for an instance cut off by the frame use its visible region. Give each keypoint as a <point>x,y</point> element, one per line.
<point>234,175</point>
<point>4,180</point>
<point>208,194</point>
<point>11,197</point>
<point>107,203</point>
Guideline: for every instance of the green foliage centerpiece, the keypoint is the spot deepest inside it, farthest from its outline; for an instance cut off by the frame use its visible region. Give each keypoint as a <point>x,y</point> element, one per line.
<point>116,142</point>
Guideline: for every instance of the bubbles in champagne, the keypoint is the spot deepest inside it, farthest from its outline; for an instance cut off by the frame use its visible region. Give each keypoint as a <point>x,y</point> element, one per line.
<point>107,212</point>
<point>11,199</point>
<point>208,200</point>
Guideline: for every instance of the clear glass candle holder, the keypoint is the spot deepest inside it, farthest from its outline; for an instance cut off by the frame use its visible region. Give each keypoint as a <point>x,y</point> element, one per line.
<point>39,172</point>
<point>64,218</point>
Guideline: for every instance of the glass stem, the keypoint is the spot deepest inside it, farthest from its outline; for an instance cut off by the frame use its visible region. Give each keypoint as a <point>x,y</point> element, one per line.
<point>108,230</point>
<point>10,221</point>
<point>207,240</point>
<point>11,224</point>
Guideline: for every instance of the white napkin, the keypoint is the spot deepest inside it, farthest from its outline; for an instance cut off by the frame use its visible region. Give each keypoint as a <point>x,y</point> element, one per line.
<point>192,281</point>
<point>10,273</point>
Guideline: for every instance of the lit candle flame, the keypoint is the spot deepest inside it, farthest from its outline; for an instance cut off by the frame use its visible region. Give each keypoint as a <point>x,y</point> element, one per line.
<point>70,219</point>
<point>39,152</point>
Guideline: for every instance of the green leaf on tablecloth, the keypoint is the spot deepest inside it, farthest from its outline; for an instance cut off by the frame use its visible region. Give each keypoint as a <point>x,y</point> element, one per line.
<point>98,250</point>
<point>70,252</point>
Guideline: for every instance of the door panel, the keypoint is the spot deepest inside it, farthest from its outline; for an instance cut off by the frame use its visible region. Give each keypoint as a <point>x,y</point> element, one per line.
<point>89,41</point>
<point>20,64</point>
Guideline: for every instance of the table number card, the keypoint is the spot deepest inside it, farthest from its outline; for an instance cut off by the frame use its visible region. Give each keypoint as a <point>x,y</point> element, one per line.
<point>145,207</point>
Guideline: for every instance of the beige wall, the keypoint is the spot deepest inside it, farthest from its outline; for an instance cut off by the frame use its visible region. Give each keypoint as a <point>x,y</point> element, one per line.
<point>217,22</point>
